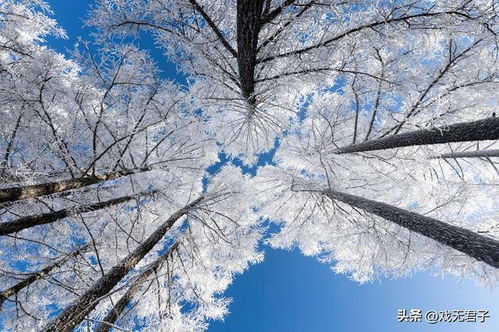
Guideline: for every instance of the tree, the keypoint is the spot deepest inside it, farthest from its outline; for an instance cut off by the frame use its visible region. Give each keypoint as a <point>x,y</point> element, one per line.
<point>470,154</point>
<point>106,195</point>
<point>474,245</point>
<point>258,60</point>
<point>75,313</point>
<point>95,155</point>
<point>487,129</point>
<point>31,278</point>
<point>124,301</point>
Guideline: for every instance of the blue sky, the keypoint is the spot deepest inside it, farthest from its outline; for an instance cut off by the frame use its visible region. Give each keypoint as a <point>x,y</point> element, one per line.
<point>292,293</point>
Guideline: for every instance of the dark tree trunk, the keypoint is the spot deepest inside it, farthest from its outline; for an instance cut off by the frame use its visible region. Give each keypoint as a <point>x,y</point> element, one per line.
<point>469,154</point>
<point>248,27</point>
<point>123,302</point>
<point>38,275</point>
<point>18,193</point>
<point>480,247</point>
<point>481,130</point>
<point>75,313</point>
<point>47,218</point>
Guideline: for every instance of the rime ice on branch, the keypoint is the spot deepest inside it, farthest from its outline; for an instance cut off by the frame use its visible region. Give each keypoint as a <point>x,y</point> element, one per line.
<point>101,159</point>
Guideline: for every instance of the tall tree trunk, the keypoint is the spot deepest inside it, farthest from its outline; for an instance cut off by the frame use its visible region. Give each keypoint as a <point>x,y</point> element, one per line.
<point>123,302</point>
<point>469,154</point>
<point>248,28</point>
<point>47,218</point>
<point>13,290</point>
<point>75,313</point>
<point>481,130</point>
<point>18,193</point>
<point>480,247</point>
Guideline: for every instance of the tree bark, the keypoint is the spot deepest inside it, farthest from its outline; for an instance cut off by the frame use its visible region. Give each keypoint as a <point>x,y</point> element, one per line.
<point>75,313</point>
<point>47,218</point>
<point>479,247</point>
<point>481,130</point>
<point>248,28</point>
<point>18,193</point>
<point>122,303</point>
<point>469,154</point>
<point>39,275</point>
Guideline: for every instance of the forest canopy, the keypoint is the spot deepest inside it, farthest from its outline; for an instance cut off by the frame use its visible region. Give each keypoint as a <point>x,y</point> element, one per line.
<point>117,212</point>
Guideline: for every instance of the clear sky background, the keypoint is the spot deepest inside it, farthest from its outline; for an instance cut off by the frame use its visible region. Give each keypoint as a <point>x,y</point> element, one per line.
<point>292,293</point>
